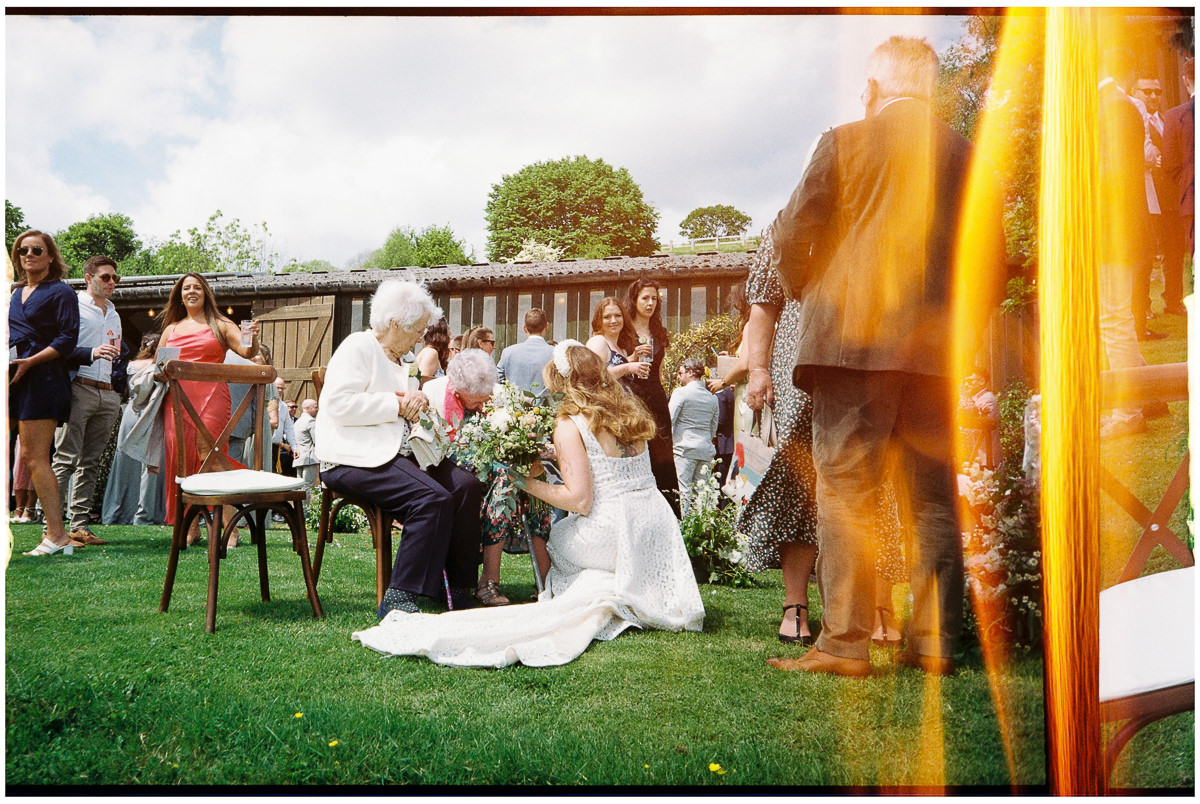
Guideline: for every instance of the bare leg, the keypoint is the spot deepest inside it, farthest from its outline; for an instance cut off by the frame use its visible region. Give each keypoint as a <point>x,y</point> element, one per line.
<point>36,439</point>
<point>796,560</point>
<point>491,563</point>
<point>885,620</point>
<point>538,546</point>
<point>229,512</point>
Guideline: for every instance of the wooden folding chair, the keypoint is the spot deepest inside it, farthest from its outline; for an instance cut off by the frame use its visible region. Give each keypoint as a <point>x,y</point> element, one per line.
<point>218,482</point>
<point>1147,624</point>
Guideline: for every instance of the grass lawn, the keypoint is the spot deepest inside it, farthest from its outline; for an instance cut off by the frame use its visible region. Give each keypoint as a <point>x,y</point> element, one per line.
<point>102,689</point>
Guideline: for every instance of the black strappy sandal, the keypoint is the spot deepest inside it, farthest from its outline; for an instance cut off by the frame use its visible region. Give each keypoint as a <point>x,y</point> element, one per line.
<point>804,640</point>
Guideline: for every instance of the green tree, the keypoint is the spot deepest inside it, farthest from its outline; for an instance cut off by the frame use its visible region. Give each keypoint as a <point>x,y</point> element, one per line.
<point>963,94</point>
<point>433,245</point>
<point>720,220</point>
<point>307,266</point>
<point>110,235</point>
<point>225,247</point>
<point>14,224</point>
<point>584,206</point>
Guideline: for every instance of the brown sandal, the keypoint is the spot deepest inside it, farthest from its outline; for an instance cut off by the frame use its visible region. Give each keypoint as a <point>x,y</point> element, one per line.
<point>490,595</point>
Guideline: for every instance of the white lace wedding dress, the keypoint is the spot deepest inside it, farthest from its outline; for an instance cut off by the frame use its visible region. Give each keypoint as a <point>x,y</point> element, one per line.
<point>622,565</point>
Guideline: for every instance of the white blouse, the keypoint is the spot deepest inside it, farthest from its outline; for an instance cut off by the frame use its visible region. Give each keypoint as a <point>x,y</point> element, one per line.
<point>360,422</point>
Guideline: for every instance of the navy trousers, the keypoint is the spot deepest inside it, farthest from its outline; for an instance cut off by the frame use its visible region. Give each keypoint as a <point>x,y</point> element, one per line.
<point>439,509</point>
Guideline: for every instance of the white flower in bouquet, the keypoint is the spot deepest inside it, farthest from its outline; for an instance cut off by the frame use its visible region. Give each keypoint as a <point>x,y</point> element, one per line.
<point>499,419</point>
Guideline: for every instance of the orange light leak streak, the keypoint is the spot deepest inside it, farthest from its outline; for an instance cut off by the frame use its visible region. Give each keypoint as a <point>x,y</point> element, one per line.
<point>1070,401</point>
<point>979,253</point>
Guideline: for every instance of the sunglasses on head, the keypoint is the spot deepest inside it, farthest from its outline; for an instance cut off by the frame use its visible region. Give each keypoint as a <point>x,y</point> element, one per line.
<point>36,251</point>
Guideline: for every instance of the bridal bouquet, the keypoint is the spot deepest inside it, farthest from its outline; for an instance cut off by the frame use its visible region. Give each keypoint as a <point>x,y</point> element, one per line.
<point>505,438</point>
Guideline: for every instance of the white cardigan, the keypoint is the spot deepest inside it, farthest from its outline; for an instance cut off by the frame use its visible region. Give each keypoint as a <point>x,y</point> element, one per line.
<point>360,423</point>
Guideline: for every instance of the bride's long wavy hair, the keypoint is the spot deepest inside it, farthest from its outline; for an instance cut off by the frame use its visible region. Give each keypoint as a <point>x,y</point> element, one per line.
<point>590,391</point>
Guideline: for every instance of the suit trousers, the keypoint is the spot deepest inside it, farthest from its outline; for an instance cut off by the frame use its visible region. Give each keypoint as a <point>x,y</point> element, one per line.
<point>862,421</point>
<point>439,509</point>
<point>80,445</point>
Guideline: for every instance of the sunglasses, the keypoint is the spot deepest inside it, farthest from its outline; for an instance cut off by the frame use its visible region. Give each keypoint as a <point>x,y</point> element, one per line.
<point>108,277</point>
<point>486,340</point>
<point>36,251</point>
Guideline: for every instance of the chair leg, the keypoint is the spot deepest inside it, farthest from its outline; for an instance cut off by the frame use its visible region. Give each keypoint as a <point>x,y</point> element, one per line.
<point>324,528</point>
<point>178,538</point>
<point>215,549</point>
<point>295,518</point>
<point>381,530</point>
<point>260,537</point>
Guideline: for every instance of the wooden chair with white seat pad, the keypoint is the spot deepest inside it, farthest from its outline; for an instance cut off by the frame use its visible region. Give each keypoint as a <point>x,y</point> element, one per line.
<point>252,493</point>
<point>1147,623</point>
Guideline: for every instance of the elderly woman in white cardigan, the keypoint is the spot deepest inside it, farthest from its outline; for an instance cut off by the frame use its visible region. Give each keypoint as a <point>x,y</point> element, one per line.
<point>362,443</point>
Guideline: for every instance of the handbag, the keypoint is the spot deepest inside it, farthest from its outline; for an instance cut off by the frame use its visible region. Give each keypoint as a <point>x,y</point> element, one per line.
<point>753,449</point>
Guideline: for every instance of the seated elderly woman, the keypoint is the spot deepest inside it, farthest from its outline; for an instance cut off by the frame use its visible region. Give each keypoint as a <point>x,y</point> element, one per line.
<point>362,443</point>
<point>469,383</point>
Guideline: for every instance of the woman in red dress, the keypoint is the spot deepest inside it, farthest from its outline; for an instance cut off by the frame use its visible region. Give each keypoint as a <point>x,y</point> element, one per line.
<point>192,323</point>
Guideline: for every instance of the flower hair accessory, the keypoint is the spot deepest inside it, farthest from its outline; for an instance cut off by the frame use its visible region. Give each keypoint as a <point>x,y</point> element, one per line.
<point>560,356</point>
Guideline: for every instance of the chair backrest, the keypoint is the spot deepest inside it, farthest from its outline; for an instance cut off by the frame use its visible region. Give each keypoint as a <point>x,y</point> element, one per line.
<point>318,378</point>
<point>1130,387</point>
<point>212,448</point>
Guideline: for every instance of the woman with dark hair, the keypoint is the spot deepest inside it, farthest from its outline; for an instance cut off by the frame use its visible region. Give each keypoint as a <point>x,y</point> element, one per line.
<point>435,354</point>
<point>645,312</point>
<point>192,323</point>
<point>43,329</point>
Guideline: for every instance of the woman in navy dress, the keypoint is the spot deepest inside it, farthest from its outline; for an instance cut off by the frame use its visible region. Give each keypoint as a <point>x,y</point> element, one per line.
<point>43,328</point>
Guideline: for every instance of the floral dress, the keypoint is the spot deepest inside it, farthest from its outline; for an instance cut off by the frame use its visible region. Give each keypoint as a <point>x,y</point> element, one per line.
<point>783,509</point>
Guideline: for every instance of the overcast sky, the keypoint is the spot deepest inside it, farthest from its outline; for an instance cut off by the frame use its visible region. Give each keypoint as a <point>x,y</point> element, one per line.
<point>336,130</point>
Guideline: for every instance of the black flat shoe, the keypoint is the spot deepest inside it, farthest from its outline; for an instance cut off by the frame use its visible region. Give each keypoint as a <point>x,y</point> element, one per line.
<point>804,640</point>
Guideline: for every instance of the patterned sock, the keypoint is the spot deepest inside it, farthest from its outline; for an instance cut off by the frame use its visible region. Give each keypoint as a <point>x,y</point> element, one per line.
<point>398,599</point>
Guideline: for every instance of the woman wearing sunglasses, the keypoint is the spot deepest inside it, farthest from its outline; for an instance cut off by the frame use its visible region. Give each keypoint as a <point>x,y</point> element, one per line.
<point>43,328</point>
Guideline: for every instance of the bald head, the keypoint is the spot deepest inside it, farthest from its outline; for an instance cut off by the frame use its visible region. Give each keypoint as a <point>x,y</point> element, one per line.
<point>309,406</point>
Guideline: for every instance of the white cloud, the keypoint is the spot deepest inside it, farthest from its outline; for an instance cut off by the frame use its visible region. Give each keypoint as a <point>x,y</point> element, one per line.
<point>335,130</point>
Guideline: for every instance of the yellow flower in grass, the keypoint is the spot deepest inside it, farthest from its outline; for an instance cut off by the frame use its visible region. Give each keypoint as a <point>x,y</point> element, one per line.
<point>717,769</point>
<point>298,715</point>
<point>332,743</point>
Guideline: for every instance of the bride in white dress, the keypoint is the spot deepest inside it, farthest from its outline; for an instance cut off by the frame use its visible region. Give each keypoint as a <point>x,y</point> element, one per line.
<point>618,561</point>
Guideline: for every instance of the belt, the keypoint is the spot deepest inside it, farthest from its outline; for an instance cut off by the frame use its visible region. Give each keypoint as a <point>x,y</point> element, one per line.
<point>103,386</point>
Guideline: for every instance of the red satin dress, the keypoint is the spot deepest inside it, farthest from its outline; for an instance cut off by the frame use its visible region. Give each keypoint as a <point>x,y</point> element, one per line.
<point>211,400</point>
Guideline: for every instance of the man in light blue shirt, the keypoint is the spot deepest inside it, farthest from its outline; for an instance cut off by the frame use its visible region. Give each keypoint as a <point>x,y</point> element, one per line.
<point>522,363</point>
<point>694,415</point>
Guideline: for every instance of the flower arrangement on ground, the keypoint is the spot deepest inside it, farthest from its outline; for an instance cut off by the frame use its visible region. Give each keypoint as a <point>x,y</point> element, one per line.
<point>711,536</point>
<point>349,519</point>
<point>1002,551</point>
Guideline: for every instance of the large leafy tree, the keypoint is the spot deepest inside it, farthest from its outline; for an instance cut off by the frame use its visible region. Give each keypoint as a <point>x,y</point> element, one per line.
<point>720,220</point>
<point>584,206</point>
<point>964,93</point>
<point>217,246</point>
<point>433,245</point>
<point>110,235</point>
<point>14,224</point>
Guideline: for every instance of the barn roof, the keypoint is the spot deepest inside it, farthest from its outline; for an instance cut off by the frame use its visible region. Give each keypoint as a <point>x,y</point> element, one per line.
<point>236,288</point>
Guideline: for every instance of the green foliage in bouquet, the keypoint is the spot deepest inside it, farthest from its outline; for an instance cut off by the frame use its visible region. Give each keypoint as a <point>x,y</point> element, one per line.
<point>505,438</point>
<point>711,537</point>
<point>349,519</point>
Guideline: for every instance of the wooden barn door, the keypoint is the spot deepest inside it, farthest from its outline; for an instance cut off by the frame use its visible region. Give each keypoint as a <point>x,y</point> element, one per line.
<point>301,339</point>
